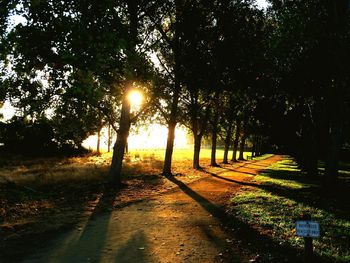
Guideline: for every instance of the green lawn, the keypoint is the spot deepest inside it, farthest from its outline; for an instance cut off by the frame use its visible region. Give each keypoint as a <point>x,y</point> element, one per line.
<point>281,194</point>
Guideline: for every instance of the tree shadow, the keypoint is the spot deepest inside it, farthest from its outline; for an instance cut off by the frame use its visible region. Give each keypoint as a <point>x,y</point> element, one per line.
<point>251,163</point>
<point>312,195</point>
<point>87,241</point>
<point>234,170</point>
<point>134,250</point>
<point>328,205</point>
<point>249,236</point>
<point>92,240</point>
<point>220,244</point>
<point>224,169</point>
<point>216,175</point>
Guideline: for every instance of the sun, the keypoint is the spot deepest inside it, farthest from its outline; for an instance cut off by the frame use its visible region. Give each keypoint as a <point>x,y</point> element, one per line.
<point>135,98</point>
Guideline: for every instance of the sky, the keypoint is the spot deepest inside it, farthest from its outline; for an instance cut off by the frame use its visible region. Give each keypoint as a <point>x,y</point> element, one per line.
<point>7,111</point>
<point>262,3</point>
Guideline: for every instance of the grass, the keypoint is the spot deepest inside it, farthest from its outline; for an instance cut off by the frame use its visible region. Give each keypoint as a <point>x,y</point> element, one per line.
<point>42,196</point>
<point>137,163</point>
<point>42,186</point>
<point>281,194</point>
<point>180,154</point>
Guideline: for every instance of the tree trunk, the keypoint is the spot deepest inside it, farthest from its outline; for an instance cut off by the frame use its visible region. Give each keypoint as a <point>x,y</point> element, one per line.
<point>199,126</point>
<point>336,98</point>
<point>214,136</point>
<point>109,138</point>
<point>241,147</point>
<point>259,146</point>
<point>196,152</point>
<point>174,105</point>
<point>332,163</point>
<point>124,123</point>
<point>171,128</point>
<point>236,141</point>
<point>169,148</point>
<point>254,146</point>
<point>213,148</point>
<point>98,141</point>
<point>310,152</point>
<point>127,146</point>
<point>227,143</point>
<point>119,146</point>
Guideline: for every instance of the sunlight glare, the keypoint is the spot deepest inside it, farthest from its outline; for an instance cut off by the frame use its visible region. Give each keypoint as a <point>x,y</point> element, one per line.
<point>153,136</point>
<point>135,98</point>
<point>7,111</point>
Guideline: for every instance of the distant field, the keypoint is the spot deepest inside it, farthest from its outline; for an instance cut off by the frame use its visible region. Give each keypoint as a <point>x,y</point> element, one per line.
<point>183,154</point>
<point>92,167</point>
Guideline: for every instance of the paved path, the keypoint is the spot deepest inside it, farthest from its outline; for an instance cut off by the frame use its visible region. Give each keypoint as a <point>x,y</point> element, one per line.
<point>186,224</point>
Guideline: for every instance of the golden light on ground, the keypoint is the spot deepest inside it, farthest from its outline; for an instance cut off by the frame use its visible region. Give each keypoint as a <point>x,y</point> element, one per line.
<point>153,136</point>
<point>135,97</point>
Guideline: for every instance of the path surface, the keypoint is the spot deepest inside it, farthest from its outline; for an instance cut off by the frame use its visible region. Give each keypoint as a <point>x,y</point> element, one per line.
<point>186,224</point>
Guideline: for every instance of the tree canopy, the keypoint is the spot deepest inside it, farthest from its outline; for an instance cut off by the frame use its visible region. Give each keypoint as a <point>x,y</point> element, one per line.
<point>276,77</point>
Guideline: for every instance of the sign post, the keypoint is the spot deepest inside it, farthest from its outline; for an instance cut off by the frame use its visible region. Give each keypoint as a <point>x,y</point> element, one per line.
<point>308,230</point>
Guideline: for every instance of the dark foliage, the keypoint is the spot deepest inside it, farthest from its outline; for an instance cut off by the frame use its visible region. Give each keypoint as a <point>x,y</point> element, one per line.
<point>34,139</point>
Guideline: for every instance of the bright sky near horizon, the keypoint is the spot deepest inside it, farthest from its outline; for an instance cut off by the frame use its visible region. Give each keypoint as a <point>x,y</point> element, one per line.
<point>154,136</point>
<point>262,3</point>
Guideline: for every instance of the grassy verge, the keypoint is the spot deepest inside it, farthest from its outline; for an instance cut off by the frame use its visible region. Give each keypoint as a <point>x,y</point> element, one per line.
<point>278,197</point>
<point>40,196</point>
<point>34,190</point>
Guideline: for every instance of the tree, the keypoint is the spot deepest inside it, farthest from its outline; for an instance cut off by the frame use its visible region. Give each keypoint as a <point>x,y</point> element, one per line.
<point>166,19</point>
<point>199,77</point>
<point>86,54</point>
<point>311,74</point>
<point>124,123</point>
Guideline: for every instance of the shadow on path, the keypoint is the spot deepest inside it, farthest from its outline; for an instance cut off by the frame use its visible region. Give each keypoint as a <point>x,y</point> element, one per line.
<point>250,237</point>
<point>133,250</point>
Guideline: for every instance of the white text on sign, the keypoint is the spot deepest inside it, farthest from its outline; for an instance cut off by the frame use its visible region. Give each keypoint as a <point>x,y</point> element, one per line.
<point>308,229</point>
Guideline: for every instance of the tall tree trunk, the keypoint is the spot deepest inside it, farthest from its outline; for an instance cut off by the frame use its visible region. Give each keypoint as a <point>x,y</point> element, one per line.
<point>197,149</point>
<point>236,141</point>
<point>170,144</point>
<point>98,141</point>
<point>213,148</point>
<point>332,162</point>
<point>109,138</point>
<point>199,126</point>
<point>127,147</point>
<point>254,146</point>
<point>310,152</point>
<point>119,146</point>
<point>171,126</point>
<point>241,147</point>
<point>227,143</point>
<point>336,98</point>
<point>174,105</point>
<point>259,151</point>
<point>124,123</point>
<point>214,136</point>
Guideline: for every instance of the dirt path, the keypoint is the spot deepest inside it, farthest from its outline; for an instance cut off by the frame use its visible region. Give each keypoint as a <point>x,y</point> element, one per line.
<point>186,224</point>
